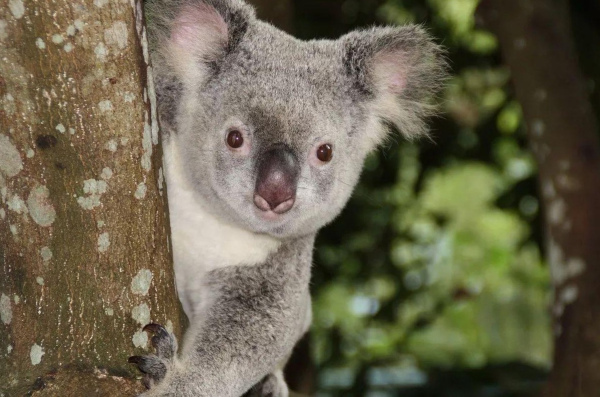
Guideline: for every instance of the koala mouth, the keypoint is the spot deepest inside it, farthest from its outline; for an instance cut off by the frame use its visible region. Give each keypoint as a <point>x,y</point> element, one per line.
<point>276,182</point>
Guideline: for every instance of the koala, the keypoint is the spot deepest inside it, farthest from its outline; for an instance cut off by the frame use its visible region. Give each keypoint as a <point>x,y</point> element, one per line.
<point>264,139</point>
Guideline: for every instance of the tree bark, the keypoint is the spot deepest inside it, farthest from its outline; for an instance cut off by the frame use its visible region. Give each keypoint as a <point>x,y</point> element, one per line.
<point>84,252</point>
<point>537,45</point>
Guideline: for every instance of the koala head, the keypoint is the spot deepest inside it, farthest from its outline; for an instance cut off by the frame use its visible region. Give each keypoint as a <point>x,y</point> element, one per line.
<point>273,131</point>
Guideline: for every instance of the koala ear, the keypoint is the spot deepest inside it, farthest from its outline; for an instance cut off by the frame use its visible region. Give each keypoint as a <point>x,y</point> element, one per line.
<point>398,71</point>
<point>193,36</point>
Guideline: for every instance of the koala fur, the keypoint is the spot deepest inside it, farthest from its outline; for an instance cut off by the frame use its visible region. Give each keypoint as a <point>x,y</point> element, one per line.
<point>242,266</point>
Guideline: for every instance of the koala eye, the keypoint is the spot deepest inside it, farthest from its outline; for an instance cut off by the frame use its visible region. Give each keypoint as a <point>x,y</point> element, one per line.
<point>235,139</point>
<point>325,153</point>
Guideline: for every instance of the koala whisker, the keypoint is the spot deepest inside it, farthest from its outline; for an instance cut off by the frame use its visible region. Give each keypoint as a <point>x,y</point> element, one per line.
<point>307,188</point>
<point>344,183</point>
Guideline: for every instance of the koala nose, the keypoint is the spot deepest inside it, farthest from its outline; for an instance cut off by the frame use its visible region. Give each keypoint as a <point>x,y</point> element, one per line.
<point>277,177</point>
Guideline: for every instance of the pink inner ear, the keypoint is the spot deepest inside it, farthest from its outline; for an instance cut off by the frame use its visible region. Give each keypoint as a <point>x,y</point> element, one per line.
<point>198,22</point>
<point>391,71</point>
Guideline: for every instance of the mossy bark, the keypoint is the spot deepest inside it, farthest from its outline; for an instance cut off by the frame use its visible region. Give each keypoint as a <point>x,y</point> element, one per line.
<point>537,44</point>
<point>84,251</point>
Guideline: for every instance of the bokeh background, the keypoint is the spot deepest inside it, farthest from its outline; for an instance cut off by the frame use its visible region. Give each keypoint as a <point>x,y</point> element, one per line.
<point>433,281</point>
<point>433,277</point>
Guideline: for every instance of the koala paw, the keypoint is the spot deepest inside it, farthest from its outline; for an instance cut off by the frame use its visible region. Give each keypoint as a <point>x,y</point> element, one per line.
<point>154,366</point>
<point>271,385</point>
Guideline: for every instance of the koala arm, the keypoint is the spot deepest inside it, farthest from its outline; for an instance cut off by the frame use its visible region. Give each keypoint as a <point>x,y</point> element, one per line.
<point>256,316</point>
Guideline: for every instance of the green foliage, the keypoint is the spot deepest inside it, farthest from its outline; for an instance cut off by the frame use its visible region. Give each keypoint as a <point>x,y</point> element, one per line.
<point>436,260</point>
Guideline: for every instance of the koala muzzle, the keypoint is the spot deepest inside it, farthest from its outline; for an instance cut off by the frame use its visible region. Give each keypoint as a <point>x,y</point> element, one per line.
<point>276,182</point>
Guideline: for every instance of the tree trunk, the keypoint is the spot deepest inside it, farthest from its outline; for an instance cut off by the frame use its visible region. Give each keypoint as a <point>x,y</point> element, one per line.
<point>536,42</point>
<point>84,251</point>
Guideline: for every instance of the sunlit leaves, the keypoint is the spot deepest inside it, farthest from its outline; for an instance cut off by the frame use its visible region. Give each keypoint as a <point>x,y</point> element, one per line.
<point>435,261</point>
<point>510,118</point>
<point>474,95</point>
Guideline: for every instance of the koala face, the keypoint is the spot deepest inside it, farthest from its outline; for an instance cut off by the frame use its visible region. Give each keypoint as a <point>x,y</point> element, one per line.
<point>273,143</point>
<point>273,131</point>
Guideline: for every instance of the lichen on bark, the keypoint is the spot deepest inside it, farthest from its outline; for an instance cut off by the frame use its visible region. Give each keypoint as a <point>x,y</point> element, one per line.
<point>78,137</point>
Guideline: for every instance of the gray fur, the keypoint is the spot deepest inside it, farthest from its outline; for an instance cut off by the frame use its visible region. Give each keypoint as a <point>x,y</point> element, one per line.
<point>256,318</point>
<point>278,90</point>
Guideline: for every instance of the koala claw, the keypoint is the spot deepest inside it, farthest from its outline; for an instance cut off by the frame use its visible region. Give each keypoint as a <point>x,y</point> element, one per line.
<point>155,366</point>
<point>164,343</point>
<point>152,367</point>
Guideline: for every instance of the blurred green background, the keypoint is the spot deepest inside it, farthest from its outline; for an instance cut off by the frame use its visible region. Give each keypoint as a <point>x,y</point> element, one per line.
<point>432,282</point>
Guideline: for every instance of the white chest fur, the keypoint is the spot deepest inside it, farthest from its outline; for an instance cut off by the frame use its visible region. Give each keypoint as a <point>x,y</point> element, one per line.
<point>201,241</point>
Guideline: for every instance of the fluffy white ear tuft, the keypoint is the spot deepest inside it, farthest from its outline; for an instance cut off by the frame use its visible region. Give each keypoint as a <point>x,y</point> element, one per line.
<point>399,71</point>
<point>189,37</point>
<point>199,36</point>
